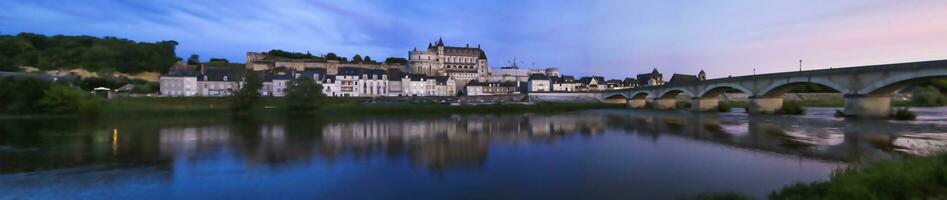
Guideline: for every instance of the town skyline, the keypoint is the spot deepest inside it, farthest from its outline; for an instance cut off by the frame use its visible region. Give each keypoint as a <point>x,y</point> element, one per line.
<point>622,41</point>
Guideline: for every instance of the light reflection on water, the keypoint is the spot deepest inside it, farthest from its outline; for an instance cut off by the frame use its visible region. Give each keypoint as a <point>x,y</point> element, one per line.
<point>589,154</point>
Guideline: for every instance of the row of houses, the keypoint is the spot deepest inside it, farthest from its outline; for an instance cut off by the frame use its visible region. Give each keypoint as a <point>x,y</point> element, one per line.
<point>566,83</point>
<point>366,82</point>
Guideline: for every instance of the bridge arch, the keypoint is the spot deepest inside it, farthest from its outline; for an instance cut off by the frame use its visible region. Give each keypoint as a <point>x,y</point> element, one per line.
<point>890,85</point>
<point>673,92</point>
<point>718,89</point>
<point>640,95</point>
<point>616,98</point>
<point>778,89</point>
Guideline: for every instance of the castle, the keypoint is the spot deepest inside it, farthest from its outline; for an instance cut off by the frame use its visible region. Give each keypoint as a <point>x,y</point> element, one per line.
<point>464,64</point>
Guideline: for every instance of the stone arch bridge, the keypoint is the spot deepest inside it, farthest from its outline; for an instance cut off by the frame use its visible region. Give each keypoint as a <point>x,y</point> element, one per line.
<point>867,89</point>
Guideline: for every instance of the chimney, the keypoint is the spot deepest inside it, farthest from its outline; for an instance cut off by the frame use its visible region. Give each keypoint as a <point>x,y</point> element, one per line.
<point>202,69</point>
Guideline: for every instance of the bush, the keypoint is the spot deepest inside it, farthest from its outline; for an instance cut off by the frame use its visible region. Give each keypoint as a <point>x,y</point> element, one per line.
<point>928,96</point>
<point>28,95</point>
<point>912,178</point>
<point>60,99</point>
<point>791,108</point>
<point>904,114</point>
<point>21,94</point>
<point>724,107</point>
<point>247,96</point>
<point>682,105</point>
<point>303,94</point>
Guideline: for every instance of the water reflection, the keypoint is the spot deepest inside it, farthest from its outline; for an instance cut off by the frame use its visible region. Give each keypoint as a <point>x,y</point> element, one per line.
<point>173,148</point>
<point>438,142</point>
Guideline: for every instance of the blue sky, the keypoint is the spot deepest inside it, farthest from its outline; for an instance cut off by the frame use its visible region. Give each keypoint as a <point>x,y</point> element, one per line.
<point>611,38</point>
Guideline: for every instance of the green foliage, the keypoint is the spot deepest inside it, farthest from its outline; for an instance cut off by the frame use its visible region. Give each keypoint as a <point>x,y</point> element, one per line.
<point>812,88</point>
<point>219,60</point>
<point>791,108</point>
<point>928,96</point>
<point>247,96</point>
<point>396,60</point>
<point>293,55</point>
<point>21,94</point>
<point>331,56</point>
<point>368,59</point>
<point>27,95</point>
<point>904,114</point>
<point>357,58</point>
<point>61,99</point>
<point>194,59</point>
<point>682,105</point>
<point>724,107</point>
<point>303,94</point>
<point>912,178</point>
<point>90,53</point>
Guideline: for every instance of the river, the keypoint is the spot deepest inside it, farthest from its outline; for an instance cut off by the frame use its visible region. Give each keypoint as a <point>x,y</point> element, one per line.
<point>594,154</point>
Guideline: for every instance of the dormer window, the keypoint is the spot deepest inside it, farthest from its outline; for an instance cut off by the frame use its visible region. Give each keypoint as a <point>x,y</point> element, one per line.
<point>205,77</point>
<point>225,78</point>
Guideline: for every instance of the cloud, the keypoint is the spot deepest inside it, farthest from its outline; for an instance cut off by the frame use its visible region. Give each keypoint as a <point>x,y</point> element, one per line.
<point>616,38</point>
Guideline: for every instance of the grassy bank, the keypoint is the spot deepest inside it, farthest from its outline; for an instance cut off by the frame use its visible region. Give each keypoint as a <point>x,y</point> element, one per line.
<point>910,178</point>
<point>331,106</point>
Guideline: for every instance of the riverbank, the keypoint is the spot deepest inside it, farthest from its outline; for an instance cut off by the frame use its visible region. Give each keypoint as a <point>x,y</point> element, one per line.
<point>909,178</point>
<point>147,106</point>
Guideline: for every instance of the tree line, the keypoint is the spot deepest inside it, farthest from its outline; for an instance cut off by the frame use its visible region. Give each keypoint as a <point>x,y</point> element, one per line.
<point>357,58</point>
<point>86,52</point>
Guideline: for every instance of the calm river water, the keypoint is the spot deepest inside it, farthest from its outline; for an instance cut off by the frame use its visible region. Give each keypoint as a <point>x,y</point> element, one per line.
<point>596,154</point>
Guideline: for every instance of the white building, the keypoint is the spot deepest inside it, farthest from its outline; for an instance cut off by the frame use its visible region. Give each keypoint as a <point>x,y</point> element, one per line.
<point>372,83</point>
<point>564,84</point>
<point>179,84</point>
<point>330,87</point>
<point>216,82</point>
<point>591,83</point>
<point>539,83</point>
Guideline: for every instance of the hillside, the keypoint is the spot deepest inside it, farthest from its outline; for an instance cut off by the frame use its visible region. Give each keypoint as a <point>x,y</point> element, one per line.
<point>110,54</point>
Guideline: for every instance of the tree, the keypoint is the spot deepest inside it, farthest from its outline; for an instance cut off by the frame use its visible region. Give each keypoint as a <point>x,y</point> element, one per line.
<point>396,60</point>
<point>248,95</point>
<point>193,60</point>
<point>219,60</point>
<point>21,94</point>
<point>303,94</point>
<point>357,58</point>
<point>928,96</point>
<point>61,99</point>
<point>368,59</point>
<point>331,56</point>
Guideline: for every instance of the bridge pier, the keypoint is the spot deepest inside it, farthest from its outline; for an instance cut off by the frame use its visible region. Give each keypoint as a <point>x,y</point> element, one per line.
<point>864,106</point>
<point>665,103</point>
<point>637,103</point>
<point>765,105</point>
<point>704,104</point>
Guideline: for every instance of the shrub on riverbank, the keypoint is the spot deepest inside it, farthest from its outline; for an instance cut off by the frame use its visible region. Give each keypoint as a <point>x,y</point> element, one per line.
<point>791,108</point>
<point>60,99</point>
<point>682,105</point>
<point>27,95</point>
<point>903,114</point>
<point>303,94</point>
<point>247,96</point>
<point>724,106</point>
<point>928,96</point>
<point>912,178</point>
